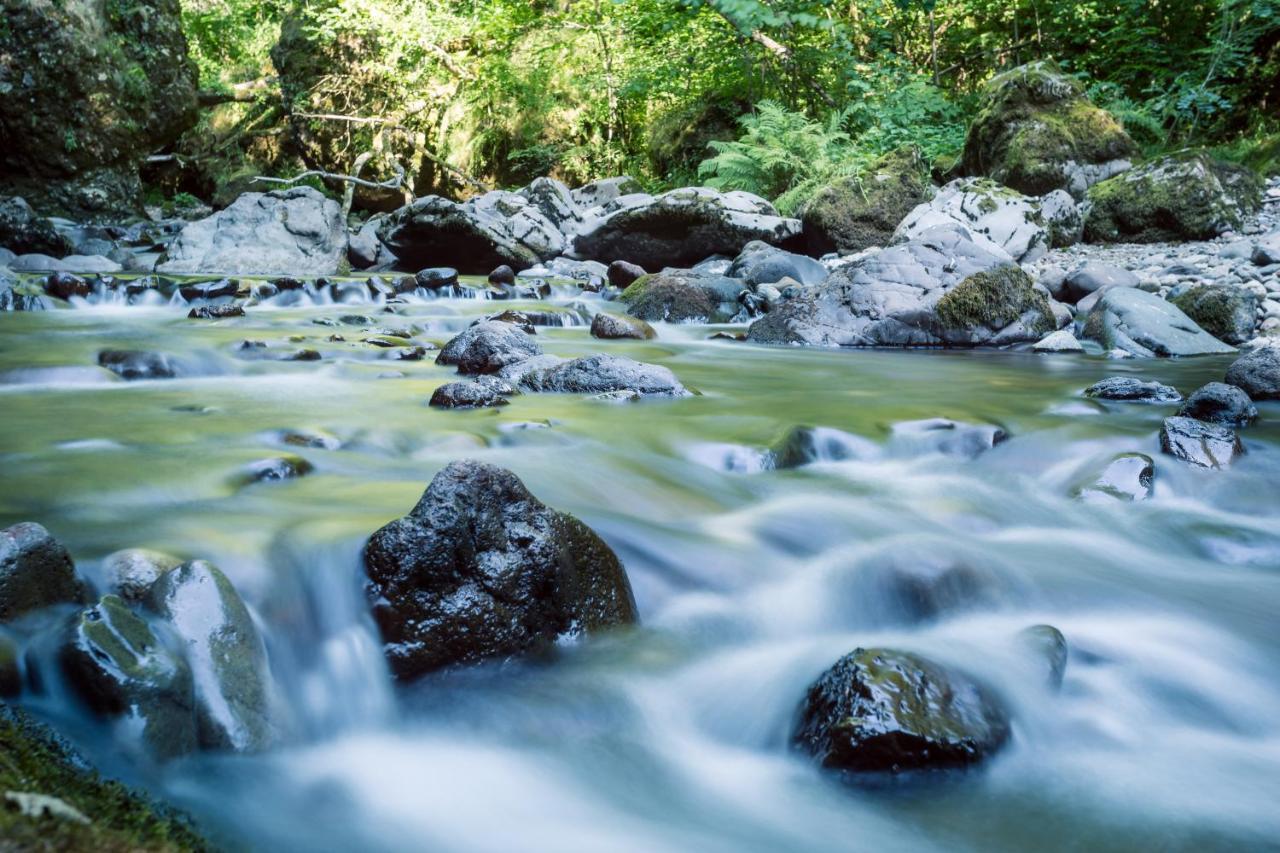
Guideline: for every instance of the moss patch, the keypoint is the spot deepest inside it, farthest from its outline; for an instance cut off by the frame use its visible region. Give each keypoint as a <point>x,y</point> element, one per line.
<point>859,212</point>
<point>993,299</point>
<point>34,760</point>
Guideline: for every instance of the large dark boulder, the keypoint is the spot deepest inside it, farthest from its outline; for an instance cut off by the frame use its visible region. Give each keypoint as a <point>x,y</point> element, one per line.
<point>1219,403</point>
<point>1201,444</point>
<point>87,92</point>
<point>1257,373</point>
<point>487,347</point>
<point>474,236</point>
<point>859,212</point>
<point>679,296</point>
<point>941,289</point>
<point>35,572</point>
<point>1186,196</point>
<point>480,568</point>
<point>1036,132</point>
<point>23,232</point>
<point>880,710</point>
<point>1143,324</point>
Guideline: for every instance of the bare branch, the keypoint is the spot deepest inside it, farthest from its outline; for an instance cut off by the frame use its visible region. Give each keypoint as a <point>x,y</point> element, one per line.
<point>389,184</point>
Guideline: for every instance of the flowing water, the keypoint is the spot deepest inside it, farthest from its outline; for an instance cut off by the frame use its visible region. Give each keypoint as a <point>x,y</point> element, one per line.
<point>1165,735</point>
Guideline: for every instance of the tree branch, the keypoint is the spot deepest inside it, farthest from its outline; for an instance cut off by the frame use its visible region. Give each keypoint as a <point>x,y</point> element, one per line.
<point>389,184</point>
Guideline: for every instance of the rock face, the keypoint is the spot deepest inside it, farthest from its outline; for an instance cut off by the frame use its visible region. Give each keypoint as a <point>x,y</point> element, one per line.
<point>998,218</point>
<point>89,90</point>
<point>1133,390</point>
<point>1188,196</point>
<point>23,232</point>
<point>879,710</point>
<point>678,296</point>
<point>295,232</point>
<point>1226,311</point>
<point>487,347</point>
<point>604,374</point>
<point>1143,324</point>
<point>474,236</point>
<point>857,213</point>
<point>1201,444</point>
<point>224,651</point>
<point>1219,403</point>
<point>940,289</point>
<point>480,568</point>
<point>678,228</point>
<point>35,572</point>
<point>612,327</point>
<point>1257,373</point>
<point>1036,132</point>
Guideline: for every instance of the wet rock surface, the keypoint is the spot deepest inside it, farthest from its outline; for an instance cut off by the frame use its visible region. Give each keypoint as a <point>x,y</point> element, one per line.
<point>480,568</point>
<point>35,572</point>
<point>472,394</point>
<point>1127,477</point>
<point>487,347</point>
<point>1201,444</point>
<point>1219,403</point>
<point>1133,390</point>
<point>138,364</point>
<point>603,374</point>
<point>1257,373</point>
<point>613,327</point>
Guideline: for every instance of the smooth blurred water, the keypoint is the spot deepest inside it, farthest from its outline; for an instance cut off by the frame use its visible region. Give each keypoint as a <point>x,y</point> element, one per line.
<point>1165,736</point>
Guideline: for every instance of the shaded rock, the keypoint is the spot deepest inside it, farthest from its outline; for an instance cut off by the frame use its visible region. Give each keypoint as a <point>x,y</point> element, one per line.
<point>760,263</point>
<point>276,468</point>
<point>1225,311</point>
<point>35,572</point>
<point>860,212</point>
<point>1049,646</point>
<point>502,275</point>
<point>303,355</point>
<point>1091,277</point>
<point>487,347</point>
<point>472,393</point>
<point>10,668</point>
<point>90,264</point>
<point>948,437</point>
<point>1257,373</point>
<point>23,232</point>
<point>1036,132</point>
<point>679,296</point>
<point>880,710</point>
<point>475,236</point>
<point>366,252</point>
<point>119,667</point>
<point>435,278</point>
<point>623,273</point>
<point>1133,390</point>
<point>679,227</point>
<point>1059,341</point>
<point>1201,444</point>
<point>939,290</point>
<point>804,445</point>
<point>208,289</point>
<point>215,312</point>
<point>604,374</point>
<point>131,573</point>
<point>1127,477</point>
<point>64,285</point>
<point>999,219</point>
<point>1145,325</point>
<point>480,568</point>
<point>1218,403</point>
<point>138,364</point>
<point>286,232</point>
<point>612,326</point>
<point>225,653</point>
<point>1265,253</point>
<point>1186,196</point>
<point>15,296</point>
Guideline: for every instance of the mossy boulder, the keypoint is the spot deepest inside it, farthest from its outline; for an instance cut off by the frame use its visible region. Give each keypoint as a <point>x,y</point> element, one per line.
<point>34,759</point>
<point>859,212</point>
<point>1184,196</point>
<point>988,301</point>
<point>87,91</point>
<point>678,139</point>
<point>881,710</point>
<point>1142,324</point>
<point>678,296</point>
<point>1036,132</point>
<point>1226,311</point>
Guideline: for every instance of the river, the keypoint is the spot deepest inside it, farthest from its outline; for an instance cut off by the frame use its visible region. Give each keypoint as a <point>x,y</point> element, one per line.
<point>1165,735</point>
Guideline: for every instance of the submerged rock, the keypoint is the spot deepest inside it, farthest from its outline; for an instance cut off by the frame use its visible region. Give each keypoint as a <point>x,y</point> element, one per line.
<point>1257,373</point>
<point>276,468</point>
<point>472,393</point>
<point>480,568</point>
<point>1201,444</point>
<point>1049,646</point>
<point>613,327</point>
<point>948,437</point>
<point>880,710</point>
<point>1127,477</point>
<point>487,347</point>
<point>215,312</point>
<point>678,296</point>
<point>804,445</point>
<point>1219,403</point>
<point>1133,390</point>
<point>138,364</point>
<point>35,572</point>
<point>227,658</point>
<point>1145,325</point>
<point>604,374</point>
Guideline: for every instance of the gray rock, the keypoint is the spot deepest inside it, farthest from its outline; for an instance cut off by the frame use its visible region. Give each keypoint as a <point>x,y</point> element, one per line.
<point>1267,250</point>
<point>804,445</point>
<point>605,190</point>
<point>23,232</point>
<point>480,568</point>
<point>1092,277</point>
<point>679,227</point>
<point>487,347</point>
<point>90,264</point>
<point>880,710</point>
<point>554,201</point>
<point>1000,219</point>
<point>1133,390</point>
<point>64,285</point>
<point>761,263</point>
<point>1226,311</point>
<point>366,251</point>
<point>623,273</point>
<point>286,232</point>
<point>1063,218</point>
<point>1219,403</point>
<point>1127,477</point>
<point>138,364</point>
<point>1257,373</point>
<point>275,468</point>
<point>227,658</point>
<point>473,236</point>
<point>502,274</point>
<point>1145,325</point>
<point>1049,647</point>
<point>1201,444</point>
<point>131,573</point>
<point>435,278</point>
<point>35,263</point>
<point>679,296</point>
<point>1059,341</point>
<point>472,394</point>
<point>612,327</point>
<point>17,297</point>
<point>941,289</point>
<point>948,437</point>
<point>604,374</point>
<point>35,572</point>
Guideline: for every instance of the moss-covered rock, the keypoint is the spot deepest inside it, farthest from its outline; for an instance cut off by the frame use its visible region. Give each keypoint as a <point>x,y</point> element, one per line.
<point>683,296</point>
<point>33,759</point>
<point>1226,311</point>
<point>1184,196</point>
<point>677,139</point>
<point>859,212</point>
<point>994,299</point>
<point>87,91</point>
<point>1036,132</point>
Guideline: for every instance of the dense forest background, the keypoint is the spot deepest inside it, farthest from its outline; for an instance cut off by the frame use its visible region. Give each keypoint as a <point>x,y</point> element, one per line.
<point>773,97</point>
